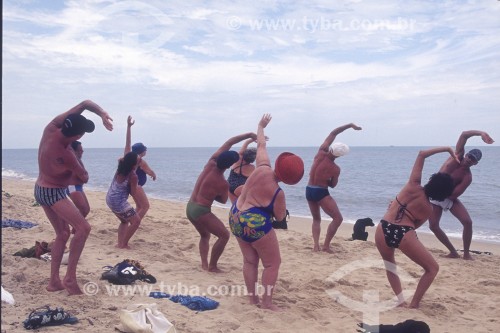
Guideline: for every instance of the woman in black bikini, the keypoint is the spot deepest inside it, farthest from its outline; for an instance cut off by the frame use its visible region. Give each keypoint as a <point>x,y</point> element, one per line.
<point>241,170</point>
<point>405,214</point>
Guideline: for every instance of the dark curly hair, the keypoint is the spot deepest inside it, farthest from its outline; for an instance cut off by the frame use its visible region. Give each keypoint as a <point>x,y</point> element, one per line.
<point>127,163</point>
<point>439,187</point>
<point>249,155</point>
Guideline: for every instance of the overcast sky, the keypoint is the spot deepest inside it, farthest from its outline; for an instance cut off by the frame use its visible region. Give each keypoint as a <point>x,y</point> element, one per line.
<point>194,73</point>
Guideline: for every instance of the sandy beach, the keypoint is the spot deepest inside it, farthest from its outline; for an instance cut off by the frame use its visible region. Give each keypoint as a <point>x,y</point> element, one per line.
<point>318,292</point>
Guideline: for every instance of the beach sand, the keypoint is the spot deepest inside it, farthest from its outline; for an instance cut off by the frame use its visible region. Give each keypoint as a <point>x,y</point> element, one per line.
<point>318,292</point>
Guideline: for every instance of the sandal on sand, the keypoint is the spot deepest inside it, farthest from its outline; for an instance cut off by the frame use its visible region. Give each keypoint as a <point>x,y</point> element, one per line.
<point>45,316</point>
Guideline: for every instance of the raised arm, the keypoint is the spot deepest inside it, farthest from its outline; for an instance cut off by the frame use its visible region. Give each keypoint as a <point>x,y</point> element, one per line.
<point>128,138</point>
<point>416,172</point>
<point>78,109</point>
<point>262,156</point>
<point>245,146</point>
<point>462,140</point>
<point>333,134</point>
<point>229,143</point>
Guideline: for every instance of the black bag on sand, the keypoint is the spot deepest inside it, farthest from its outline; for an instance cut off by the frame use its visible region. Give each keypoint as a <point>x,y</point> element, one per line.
<point>281,224</point>
<point>408,326</point>
<point>127,272</point>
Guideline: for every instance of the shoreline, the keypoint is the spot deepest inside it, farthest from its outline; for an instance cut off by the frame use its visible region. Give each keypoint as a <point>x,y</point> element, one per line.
<point>309,287</point>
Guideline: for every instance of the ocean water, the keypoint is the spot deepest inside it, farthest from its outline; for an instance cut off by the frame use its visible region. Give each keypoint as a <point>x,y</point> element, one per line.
<point>370,178</point>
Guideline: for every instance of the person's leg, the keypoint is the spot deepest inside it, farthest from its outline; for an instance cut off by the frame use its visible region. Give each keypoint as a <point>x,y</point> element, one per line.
<point>415,250</point>
<point>330,207</point>
<point>67,211</point>
<point>215,227</point>
<point>132,226</point>
<point>141,201</point>
<point>460,212</point>
<point>434,219</point>
<point>204,244</point>
<point>57,248</point>
<point>316,224</point>
<point>80,200</point>
<point>387,254</point>
<point>269,252</point>
<point>250,270</point>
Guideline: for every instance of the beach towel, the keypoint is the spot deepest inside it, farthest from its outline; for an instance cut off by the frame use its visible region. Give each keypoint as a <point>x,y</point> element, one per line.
<point>18,224</point>
<point>196,303</point>
<point>143,318</point>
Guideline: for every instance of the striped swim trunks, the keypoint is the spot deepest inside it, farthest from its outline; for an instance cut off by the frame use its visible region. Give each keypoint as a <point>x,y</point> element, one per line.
<point>46,196</point>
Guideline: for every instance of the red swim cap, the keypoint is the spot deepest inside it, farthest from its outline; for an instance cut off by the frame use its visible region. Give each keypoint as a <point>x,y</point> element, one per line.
<point>289,168</point>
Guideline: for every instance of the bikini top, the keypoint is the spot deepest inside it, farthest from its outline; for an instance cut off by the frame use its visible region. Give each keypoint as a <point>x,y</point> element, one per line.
<point>402,210</point>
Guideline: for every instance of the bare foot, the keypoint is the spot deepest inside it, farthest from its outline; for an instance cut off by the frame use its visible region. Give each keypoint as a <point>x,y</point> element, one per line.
<point>55,286</point>
<point>254,299</point>
<point>327,249</point>
<point>124,247</point>
<point>316,248</point>
<point>414,306</point>
<point>72,287</point>
<point>467,256</point>
<point>271,307</point>
<point>452,255</point>
<point>215,270</point>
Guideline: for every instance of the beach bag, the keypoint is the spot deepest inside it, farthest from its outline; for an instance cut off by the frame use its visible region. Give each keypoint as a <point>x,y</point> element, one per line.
<point>143,318</point>
<point>281,224</point>
<point>127,272</point>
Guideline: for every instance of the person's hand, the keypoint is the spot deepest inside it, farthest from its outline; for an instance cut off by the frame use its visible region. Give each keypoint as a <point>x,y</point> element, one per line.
<point>107,121</point>
<point>130,121</point>
<point>454,155</point>
<point>486,138</point>
<point>355,127</point>
<point>266,118</point>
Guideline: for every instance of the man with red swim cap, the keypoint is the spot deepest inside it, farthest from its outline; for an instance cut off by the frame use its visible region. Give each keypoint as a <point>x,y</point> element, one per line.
<point>325,173</point>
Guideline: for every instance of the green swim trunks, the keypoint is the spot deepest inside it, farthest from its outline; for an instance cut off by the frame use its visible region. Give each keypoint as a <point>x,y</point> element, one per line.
<point>194,210</point>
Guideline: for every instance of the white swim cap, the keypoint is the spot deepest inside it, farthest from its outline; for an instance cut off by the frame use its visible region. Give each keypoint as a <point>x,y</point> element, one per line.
<point>339,149</point>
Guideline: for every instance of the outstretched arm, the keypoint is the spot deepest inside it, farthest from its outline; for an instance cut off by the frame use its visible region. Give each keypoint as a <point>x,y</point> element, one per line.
<point>78,109</point>
<point>416,172</point>
<point>144,166</point>
<point>229,143</point>
<point>333,134</point>
<point>128,138</point>
<point>462,140</point>
<point>262,156</point>
<point>245,146</point>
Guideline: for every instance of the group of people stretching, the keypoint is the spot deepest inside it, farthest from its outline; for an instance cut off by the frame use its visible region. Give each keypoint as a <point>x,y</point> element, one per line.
<point>256,199</point>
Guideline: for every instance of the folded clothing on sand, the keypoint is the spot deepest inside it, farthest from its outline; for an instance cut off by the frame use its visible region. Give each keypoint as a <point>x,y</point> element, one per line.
<point>18,224</point>
<point>407,326</point>
<point>196,303</point>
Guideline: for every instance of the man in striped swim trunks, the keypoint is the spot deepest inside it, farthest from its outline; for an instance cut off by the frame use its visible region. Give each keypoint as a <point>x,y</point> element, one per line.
<point>58,168</point>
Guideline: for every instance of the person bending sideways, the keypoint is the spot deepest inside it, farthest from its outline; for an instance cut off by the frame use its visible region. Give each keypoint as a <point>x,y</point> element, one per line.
<point>407,212</point>
<point>59,168</point>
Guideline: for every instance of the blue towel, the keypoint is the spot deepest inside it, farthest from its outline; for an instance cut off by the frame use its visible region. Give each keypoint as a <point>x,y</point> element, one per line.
<point>196,303</point>
<point>17,224</point>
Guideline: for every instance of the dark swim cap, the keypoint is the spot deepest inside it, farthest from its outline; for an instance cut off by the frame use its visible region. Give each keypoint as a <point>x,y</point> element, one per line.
<point>139,148</point>
<point>76,124</point>
<point>227,158</point>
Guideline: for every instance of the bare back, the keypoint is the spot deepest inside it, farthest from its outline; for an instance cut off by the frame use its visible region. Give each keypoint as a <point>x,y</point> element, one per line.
<point>211,185</point>
<point>57,162</point>
<point>324,172</point>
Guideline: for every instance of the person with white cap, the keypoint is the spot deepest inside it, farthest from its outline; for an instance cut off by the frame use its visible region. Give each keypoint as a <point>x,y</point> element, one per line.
<point>462,178</point>
<point>325,173</point>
